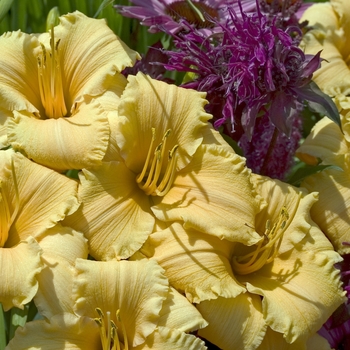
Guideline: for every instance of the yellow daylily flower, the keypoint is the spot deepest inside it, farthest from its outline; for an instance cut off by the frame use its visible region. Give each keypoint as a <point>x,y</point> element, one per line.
<point>119,305</point>
<point>33,199</point>
<point>48,80</point>
<point>327,145</point>
<point>286,282</point>
<point>331,34</point>
<point>168,164</point>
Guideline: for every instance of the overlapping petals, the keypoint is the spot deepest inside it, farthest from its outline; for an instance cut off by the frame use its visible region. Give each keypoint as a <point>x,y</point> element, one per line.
<point>331,34</point>
<point>120,205</point>
<point>327,145</point>
<point>132,295</point>
<point>33,199</point>
<point>48,81</point>
<point>299,286</point>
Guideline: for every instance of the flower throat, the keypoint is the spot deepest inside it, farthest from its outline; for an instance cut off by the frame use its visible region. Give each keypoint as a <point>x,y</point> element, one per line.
<point>266,250</point>
<point>109,331</point>
<point>150,180</point>
<point>50,80</point>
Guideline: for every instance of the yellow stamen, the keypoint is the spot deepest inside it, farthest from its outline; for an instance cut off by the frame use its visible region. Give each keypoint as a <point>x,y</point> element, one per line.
<point>109,331</point>
<point>50,80</point>
<point>150,180</point>
<point>266,250</point>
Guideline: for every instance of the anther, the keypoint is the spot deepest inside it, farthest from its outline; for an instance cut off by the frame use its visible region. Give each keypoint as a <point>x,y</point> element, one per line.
<point>150,180</point>
<point>266,250</point>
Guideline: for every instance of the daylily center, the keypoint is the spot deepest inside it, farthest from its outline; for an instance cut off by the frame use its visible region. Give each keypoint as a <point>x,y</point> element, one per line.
<point>50,80</point>
<point>109,331</point>
<point>266,250</point>
<point>193,12</point>
<point>153,179</point>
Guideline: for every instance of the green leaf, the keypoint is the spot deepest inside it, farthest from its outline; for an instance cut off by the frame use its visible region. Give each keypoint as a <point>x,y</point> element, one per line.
<point>18,319</point>
<point>4,7</point>
<point>320,102</point>
<point>2,329</point>
<point>302,170</point>
<point>103,5</point>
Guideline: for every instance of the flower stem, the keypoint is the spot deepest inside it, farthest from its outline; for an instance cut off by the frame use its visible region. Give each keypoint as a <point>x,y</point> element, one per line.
<point>264,169</point>
<point>2,329</point>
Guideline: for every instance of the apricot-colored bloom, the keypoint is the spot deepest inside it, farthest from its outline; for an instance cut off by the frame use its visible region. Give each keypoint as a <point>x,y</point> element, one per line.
<point>286,283</point>
<point>118,305</point>
<point>48,80</point>
<point>33,199</point>
<point>331,34</point>
<point>166,162</point>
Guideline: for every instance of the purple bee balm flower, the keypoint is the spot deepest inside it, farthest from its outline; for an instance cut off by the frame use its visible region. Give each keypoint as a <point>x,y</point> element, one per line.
<point>271,152</point>
<point>252,68</point>
<point>337,328</point>
<point>168,14</point>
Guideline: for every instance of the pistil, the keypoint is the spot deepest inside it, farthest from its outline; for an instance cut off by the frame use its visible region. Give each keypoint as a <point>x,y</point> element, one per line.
<point>50,80</point>
<point>150,180</point>
<point>109,331</point>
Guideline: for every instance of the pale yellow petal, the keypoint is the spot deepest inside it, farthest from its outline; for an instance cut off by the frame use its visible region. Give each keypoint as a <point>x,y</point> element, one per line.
<point>61,247</point>
<point>91,54</point>
<point>330,36</point>
<point>216,182</point>
<point>316,342</point>
<point>147,103</point>
<point>37,197</point>
<point>295,201</point>
<point>342,10</point>
<point>164,338</point>
<point>321,14</point>
<point>136,288</point>
<point>5,115</point>
<point>76,142</point>
<point>274,340</point>
<point>300,290</point>
<point>63,332</point>
<point>331,211</point>
<point>234,323</point>
<point>19,87</point>
<point>20,266</point>
<point>325,142</point>
<point>115,215</point>
<point>177,312</point>
<point>195,263</point>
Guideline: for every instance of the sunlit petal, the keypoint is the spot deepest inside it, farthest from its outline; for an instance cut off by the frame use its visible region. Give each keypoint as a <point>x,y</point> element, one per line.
<point>195,263</point>
<point>234,323</point>
<point>61,246</point>
<point>91,54</point>
<point>171,339</point>
<point>63,332</point>
<point>148,103</point>
<point>136,288</point>
<point>177,312</point>
<point>19,87</point>
<point>331,211</point>
<point>325,142</point>
<point>300,291</point>
<point>115,215</point>
<point>64,143</point>
<point>199,187</point>
<point>40,197</point>
<point>20,266</point>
